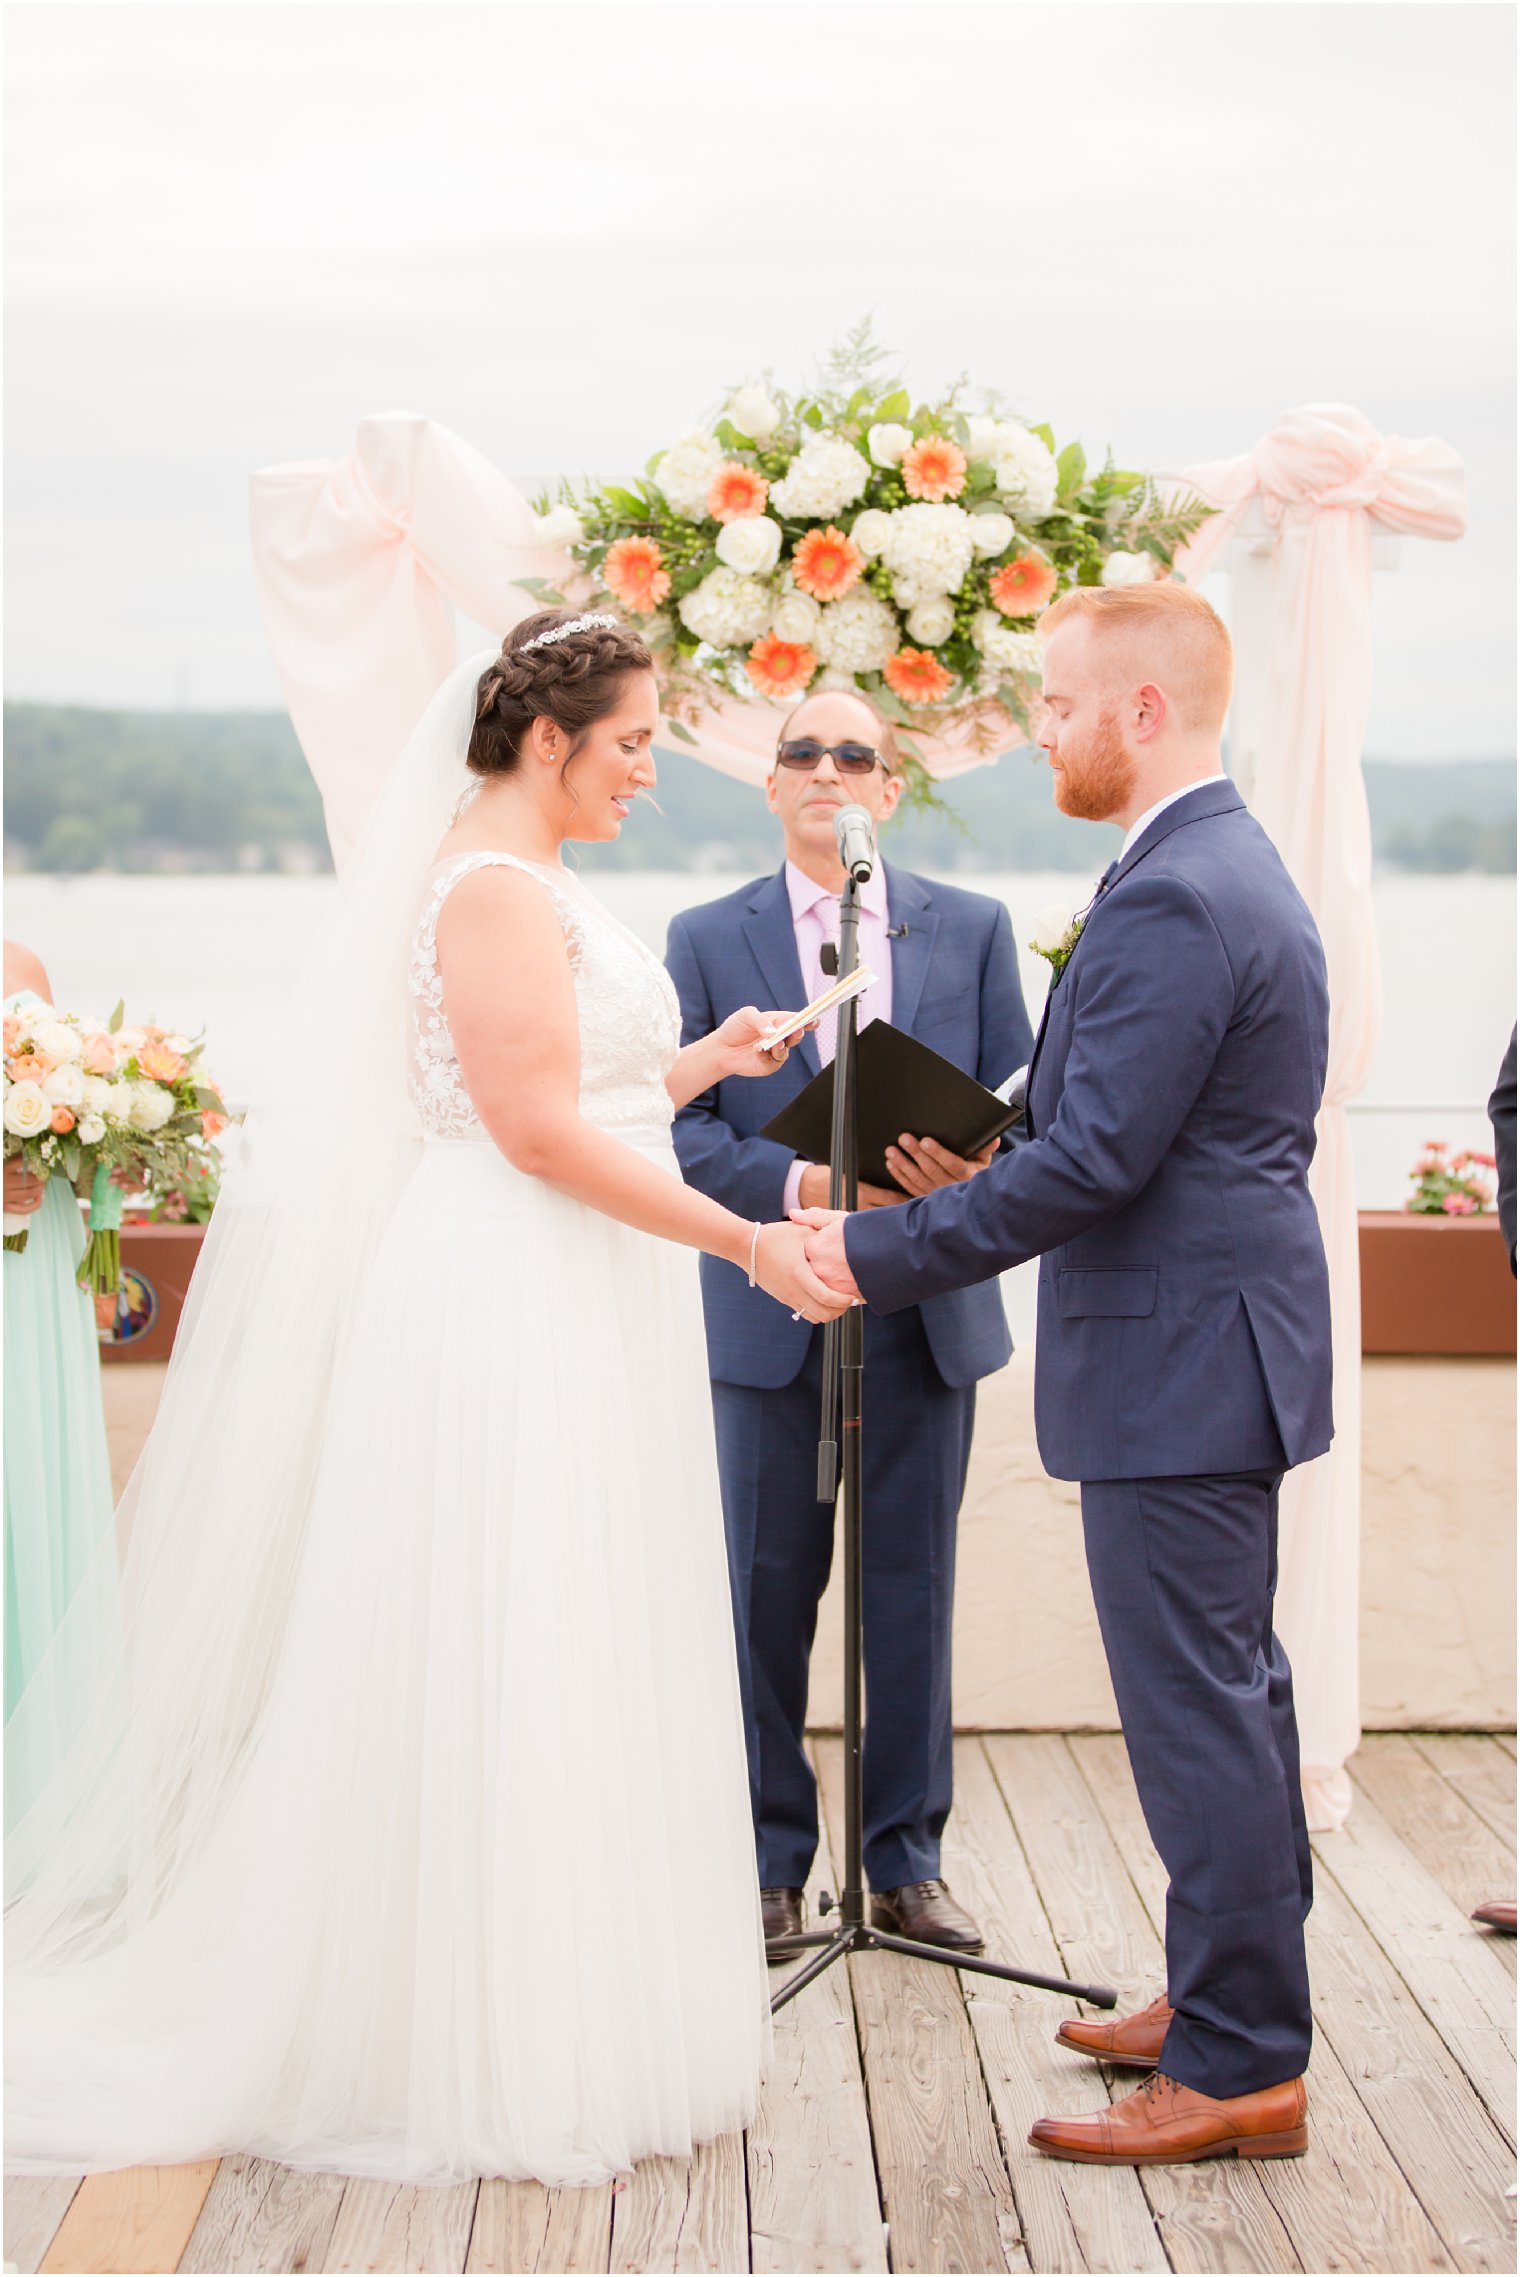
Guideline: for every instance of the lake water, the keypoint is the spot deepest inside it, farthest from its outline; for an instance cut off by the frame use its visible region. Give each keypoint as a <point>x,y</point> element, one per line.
<point>222,953</point>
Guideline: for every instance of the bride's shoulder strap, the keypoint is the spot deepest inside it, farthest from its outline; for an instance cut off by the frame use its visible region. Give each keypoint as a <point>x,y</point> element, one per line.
<point>566,907</point>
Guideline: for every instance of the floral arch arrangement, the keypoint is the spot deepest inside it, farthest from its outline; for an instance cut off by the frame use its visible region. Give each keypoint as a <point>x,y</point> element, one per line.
<point>848,538</point>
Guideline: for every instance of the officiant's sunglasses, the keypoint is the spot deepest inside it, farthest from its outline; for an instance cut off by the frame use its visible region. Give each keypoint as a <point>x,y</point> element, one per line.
<point>849,758</point>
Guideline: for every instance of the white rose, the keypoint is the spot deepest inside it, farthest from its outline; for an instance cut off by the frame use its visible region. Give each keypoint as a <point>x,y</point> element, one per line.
<point>27,1109</point>
<point>1051,927</point>
<point>65,1086</point>
<point>91,1130</point>
<point>827,475</point>
<point>887,443</point>
<point>561,526</point>
<point>991,533</point>
<point>795,617</point>
<point>57,1040</point>
<point>752,545</point>
<point>685,473</point>
<point>871,530</point>
<point>856,634</point>
<point>981,436</point>
<point>97,1094</point>
<point>1024,470</point>
<point>151,1107</point>
<point>727,610</point>
<point>833,676</point>
<point>932,621</point>
<point>754,414</point>
<point>1005,649</point>
<point>1128,569</point>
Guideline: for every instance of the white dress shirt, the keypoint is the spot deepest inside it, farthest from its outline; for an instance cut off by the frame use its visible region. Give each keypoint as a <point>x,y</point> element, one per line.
<point>1161,806</point>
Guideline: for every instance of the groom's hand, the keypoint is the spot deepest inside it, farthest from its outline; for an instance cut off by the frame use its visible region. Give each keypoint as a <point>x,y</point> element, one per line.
<point>826,1251</point>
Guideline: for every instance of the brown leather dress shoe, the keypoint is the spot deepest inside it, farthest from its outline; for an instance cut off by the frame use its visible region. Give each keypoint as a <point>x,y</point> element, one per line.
<point>1496,1915</point>
<point>1132,2040</point>
<point>1166,2124</point>
<point>781,1916</point>
<point>926,1912</point>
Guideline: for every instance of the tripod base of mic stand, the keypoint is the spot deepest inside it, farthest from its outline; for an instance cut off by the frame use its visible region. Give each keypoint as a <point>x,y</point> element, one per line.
<point>861,1938</point>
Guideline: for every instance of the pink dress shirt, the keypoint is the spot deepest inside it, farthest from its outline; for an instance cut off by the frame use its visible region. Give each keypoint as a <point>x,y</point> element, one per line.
<point>815,919</point>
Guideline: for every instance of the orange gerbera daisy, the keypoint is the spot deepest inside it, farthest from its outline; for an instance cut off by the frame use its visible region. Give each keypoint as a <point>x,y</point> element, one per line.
<point>827,563</point>
<point>737,491</point>
<point>781,667</point>
<point>1023,588</point>
<point>935,469</point>
<point>917,675</point>
<point>635,574</point>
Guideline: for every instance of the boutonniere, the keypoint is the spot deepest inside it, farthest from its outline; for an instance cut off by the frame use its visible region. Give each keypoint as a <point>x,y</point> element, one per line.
<point>1056,934</point>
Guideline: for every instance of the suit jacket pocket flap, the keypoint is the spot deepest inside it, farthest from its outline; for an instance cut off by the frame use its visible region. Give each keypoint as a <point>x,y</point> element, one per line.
<point>1103,1293</point>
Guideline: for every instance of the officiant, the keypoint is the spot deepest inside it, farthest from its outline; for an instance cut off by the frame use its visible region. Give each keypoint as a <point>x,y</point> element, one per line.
<point>949,976</point>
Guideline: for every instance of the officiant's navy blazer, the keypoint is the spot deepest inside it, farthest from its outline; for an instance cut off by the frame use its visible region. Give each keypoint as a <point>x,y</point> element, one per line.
<point>955,985</point>
<point>1184,1309</point>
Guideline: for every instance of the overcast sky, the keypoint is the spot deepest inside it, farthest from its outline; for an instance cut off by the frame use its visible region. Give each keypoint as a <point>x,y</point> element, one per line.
<point>563,230</point>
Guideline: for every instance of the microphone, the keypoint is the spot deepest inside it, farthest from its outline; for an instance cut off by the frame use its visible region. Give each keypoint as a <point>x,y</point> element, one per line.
<point>855,836</point>
<point>897,932</point>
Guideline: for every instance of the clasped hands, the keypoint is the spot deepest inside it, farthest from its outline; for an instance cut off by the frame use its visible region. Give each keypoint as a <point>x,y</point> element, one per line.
<point>805,1264</point>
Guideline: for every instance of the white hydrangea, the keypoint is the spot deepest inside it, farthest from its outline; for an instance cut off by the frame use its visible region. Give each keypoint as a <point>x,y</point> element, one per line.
<point>752,544</point>
<point>932,622</point>
<point>754,413</point>
<point>727,610</point>
<point>795,617</point>
<point>856,634</point>
<point>871,531</point>
<point>888,442</point>
<point>981,436</point>
<point>835,677</point>
<point>561,526</point>
<point>151,1107</point>
<point>928,551</point>
<point>1024,469</point>
<point>991,533</point>
<point>1004,649</point>
<point>685,473</point>
<point>1129,569</point>
<point>827,475</point>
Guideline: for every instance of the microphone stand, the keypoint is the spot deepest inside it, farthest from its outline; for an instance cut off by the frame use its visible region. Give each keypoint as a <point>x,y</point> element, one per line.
<point>839,1478</point>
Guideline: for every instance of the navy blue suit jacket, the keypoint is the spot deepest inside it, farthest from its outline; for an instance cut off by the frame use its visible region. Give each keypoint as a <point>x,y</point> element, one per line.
<point>1184,1312</point>
<point>955,985</point>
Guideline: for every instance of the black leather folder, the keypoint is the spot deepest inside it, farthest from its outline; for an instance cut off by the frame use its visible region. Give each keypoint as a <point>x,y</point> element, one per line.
<point>900,1086</point>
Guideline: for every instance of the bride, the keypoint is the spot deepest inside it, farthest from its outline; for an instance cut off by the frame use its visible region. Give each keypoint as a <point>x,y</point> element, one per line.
<point>409,1832</point>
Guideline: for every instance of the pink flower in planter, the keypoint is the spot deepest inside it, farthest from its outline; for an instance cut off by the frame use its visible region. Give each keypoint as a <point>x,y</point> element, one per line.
<point>1459,1206</point>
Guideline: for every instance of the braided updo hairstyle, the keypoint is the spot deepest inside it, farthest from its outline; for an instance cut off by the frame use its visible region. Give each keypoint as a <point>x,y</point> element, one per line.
<point>575,682</point>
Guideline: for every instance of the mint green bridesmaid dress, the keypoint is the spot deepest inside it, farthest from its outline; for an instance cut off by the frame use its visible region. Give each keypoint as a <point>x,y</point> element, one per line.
<point>58,1503</point>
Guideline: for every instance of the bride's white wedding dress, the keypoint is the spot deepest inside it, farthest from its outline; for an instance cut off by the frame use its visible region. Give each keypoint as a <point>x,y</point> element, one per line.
<point>478,1894</point>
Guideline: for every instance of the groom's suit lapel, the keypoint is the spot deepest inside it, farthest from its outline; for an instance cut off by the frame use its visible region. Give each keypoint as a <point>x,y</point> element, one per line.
<point>772,937</point>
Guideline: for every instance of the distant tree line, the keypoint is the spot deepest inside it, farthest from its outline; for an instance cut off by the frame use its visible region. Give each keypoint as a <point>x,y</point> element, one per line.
<point>87,790</point>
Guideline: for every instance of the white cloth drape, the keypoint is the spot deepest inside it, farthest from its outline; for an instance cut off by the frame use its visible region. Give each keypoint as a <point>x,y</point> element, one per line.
<point>357,561</point>
<point>1297,516</point>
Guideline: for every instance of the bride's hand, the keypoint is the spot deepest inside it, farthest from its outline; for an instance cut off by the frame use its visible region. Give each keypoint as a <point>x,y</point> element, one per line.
<point>738,1046</point>
<point>782,1270</point>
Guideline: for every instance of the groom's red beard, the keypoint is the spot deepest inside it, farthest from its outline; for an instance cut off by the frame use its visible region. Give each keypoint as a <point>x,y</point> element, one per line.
<point>1095,778</point>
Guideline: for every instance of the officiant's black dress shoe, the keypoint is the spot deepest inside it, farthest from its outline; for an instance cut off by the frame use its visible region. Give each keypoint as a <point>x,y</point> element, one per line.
<point>781,1914</point>
<point>926,1912</point>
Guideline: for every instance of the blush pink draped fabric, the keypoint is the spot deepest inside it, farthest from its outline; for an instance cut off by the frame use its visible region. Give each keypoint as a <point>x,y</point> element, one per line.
<point>1296,527</point>
<point>357,561</point>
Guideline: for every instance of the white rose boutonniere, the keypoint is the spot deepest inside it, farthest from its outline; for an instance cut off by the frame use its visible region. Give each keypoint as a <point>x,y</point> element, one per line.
<point>1056,933</point>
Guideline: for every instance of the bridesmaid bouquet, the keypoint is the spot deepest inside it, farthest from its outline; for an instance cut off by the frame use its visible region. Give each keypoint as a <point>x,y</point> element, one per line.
<point>108,1107</point>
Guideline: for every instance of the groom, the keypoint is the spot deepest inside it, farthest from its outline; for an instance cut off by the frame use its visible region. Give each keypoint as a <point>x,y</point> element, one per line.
<point>946,973</point>
<point>1183,1357</point>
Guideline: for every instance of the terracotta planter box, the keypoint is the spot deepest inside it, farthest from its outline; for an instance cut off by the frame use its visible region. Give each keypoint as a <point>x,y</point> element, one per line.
<point>156,1262</point>
<point>1435,1285</point>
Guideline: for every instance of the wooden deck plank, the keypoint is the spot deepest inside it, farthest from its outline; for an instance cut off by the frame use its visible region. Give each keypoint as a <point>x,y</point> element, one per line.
<point>260,2216</point>
<point>1072,2217</point>
<point>402,2226</point>
<point>1480,1770</point>
<point>686,2214</point>
<point>1437,1825</point>
<point>1216,2215</point>
<point>1450,1967</point>
<point>1349,2204</point>
<point>945,2190</point>
<point>35,2204</point>
<point>813,2202</point>
<point>523,2226</point>
<point>139,2218</point>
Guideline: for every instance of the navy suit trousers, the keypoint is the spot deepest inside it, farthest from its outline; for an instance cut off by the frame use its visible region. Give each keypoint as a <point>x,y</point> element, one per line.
<point>916,1442</point>
<point>1183,1573</point>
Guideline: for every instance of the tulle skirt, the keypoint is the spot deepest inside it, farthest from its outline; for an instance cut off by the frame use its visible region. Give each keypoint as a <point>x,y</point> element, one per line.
<point>483,1898</point>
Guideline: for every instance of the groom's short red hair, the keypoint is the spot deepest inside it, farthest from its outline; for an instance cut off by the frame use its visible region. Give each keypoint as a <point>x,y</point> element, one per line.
<point>1171,634</point>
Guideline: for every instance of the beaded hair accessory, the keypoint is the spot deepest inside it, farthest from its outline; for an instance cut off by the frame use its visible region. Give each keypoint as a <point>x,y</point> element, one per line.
<point>593,623</point>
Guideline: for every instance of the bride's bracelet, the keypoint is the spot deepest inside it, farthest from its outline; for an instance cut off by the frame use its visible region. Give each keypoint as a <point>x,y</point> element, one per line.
<point>754,1251</point>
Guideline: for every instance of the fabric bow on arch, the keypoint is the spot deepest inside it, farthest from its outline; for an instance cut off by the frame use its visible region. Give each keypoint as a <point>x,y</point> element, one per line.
<point>1295,524</point>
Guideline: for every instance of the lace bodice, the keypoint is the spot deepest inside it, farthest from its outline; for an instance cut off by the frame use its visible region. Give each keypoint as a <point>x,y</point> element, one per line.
<point>630,1022</point>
